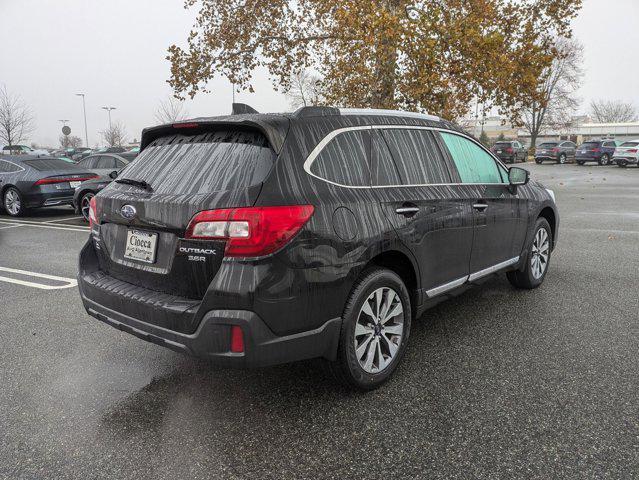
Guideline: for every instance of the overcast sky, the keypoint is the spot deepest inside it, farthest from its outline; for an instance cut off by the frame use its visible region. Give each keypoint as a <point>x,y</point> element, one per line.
<point>114,51</point>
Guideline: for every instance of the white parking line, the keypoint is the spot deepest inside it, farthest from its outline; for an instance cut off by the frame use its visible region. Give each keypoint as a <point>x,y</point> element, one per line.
<point>63,220</point>
<point>26,223</point>
<point>68,282</point>
<point>10,226</point>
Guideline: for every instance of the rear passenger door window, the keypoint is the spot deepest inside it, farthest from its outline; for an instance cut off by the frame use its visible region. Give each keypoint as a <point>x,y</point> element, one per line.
<point>384,171</point>
<point>473,163</point>
<point>344,160</point>
<point>417,156</point>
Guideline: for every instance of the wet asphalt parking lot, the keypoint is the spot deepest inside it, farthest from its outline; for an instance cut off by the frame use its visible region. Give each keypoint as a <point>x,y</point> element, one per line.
<point>496,383</point>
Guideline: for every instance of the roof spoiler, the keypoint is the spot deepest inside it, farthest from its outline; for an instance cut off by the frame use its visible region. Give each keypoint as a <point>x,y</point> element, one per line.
<point>303,112</point>
<point>241,108</point>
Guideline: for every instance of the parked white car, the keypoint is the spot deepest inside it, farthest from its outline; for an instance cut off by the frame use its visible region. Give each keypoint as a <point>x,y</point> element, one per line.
<point>627,154</point>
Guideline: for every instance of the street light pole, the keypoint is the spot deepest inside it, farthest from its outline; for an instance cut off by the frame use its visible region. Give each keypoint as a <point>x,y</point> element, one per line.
<point>84,108</point>
<point>108,109</point>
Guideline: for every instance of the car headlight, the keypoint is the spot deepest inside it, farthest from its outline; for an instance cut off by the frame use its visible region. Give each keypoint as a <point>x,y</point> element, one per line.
<point>552,194</point>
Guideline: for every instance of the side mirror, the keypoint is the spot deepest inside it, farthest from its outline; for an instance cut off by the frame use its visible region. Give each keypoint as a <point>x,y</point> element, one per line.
<point>518,176</point>
<point>113,174</point>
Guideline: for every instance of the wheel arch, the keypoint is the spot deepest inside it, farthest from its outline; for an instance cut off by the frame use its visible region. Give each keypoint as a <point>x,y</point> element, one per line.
<point>401,264</point>
<point>549,214</point>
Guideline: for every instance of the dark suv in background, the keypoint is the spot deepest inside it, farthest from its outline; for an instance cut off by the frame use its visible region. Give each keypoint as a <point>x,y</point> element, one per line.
<point>510,151</point>
<point>600,151</point>
<point>256,239</point>
<point>558,152</point>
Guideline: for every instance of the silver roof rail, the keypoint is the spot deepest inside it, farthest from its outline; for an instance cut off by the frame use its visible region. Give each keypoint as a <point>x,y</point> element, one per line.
<point>387,113</point>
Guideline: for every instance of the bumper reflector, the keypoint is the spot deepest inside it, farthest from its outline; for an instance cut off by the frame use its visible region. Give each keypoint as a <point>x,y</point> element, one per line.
<point>237,339</point>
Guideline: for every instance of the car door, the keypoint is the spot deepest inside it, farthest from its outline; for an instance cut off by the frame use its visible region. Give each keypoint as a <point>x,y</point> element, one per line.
<point>412,181</point>
<point>499,214</point>
<point>570,149</point>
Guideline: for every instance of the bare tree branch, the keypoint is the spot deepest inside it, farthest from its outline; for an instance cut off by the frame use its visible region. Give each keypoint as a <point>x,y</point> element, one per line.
<point>304,89</point>
<point>557,88</point>
<point>70,141</point>
<point>614,111</point>
<point>170,110</point>
<point>115,135</point>
<point>16,119</point>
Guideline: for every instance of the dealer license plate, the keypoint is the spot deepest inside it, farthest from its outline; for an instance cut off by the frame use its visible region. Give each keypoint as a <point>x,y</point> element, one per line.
<point>141,246</point>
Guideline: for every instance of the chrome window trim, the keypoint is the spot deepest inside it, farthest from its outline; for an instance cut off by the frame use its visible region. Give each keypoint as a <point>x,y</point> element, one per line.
<point>320,146</point>
<point>11,163</point>
<point>388,113</point>
<point>433,292</point>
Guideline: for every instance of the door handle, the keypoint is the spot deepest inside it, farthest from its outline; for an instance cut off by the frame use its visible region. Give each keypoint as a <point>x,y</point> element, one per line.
<point>407,210</point>
<point>480,207</point>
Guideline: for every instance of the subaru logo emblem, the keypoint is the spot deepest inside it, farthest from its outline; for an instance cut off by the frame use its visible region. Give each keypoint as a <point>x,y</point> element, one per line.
<point>128,211</point>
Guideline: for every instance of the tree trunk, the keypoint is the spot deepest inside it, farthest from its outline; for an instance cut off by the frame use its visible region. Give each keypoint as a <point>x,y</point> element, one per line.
<point>383,95</point>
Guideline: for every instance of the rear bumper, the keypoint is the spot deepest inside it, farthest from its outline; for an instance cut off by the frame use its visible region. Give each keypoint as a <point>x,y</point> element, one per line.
<point>193,327</point>
<point>212,339</point>
<point>36,200</point>
<point>625,160</point>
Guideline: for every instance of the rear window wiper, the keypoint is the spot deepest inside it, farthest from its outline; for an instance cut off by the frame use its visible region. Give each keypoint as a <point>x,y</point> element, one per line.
<point>136,183</point>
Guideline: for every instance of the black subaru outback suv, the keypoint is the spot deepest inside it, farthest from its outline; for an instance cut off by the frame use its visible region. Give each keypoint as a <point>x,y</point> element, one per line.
<point>256,239</point>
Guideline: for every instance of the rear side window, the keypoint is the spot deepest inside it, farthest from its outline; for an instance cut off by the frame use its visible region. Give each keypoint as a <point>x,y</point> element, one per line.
<point>7,167</point>
<point>417,156</point>
<point>384,170</point>
<point>197,164</point>
<point>344,159</point>
<point>106,162</point>
<point>474,164</point>
<point>43,165</point>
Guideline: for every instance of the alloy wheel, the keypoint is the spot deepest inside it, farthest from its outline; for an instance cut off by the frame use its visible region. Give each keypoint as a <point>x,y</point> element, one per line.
<point>379,330</point>
<point>85,205</point>
<point>604,160</point>
<point>540,253</point>
<point>12,202</point>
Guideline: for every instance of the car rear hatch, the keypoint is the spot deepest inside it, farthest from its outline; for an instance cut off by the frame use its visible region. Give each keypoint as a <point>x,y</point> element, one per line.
<point>588,149</point>
<point>57,175</point>
<point>143,215</point>
<point>627,150</point>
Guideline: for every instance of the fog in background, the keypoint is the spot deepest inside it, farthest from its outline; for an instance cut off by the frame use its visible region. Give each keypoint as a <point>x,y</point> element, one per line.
<point>114,51</point>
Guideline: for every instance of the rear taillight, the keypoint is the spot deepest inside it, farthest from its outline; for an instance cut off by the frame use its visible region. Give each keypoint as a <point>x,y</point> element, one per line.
<point>50,180</point>
<point>250,231</point>
<point>509,150</point>
<point>555,150</point>
<point>93,217</point>
<point>596,150</point>
<point>632,150</point>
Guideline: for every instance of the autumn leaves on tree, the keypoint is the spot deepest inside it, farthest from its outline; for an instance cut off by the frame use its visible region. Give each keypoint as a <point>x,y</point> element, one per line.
<point>439,56</point>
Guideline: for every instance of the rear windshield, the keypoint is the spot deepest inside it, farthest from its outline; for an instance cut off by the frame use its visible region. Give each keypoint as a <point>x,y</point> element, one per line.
<point>210,162</point>
<point>630,144</point>
<point>503,144</point>
<point>547,145</point>
<point>590,144</point>
<point>44,164</point>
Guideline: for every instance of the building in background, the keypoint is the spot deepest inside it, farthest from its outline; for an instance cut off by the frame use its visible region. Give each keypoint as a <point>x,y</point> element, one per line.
<point>580,130</point>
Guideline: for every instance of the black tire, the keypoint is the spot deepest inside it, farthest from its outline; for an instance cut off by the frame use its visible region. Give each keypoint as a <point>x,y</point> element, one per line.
<point>604,160</point>
<point>621,164</point>
<point>538,162</point>
<point>526,278</point>
<point>562,159</point>
<point>13,203</point>
<point>580,162</point>
<point>347,368</point>
<point>83,204</point>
